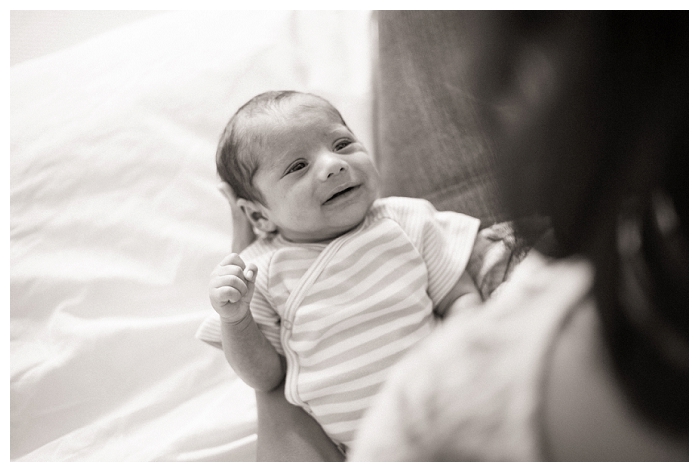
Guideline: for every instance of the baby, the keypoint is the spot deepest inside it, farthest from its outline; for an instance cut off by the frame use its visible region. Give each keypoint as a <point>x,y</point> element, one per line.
<point>341,283</point>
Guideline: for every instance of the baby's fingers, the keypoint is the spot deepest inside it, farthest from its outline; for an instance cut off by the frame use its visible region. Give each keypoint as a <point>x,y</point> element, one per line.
<point>227,288</point>
<point>251,273</point>
<point>226,294</point>
<point>232,259</point>
<point>233,281</point>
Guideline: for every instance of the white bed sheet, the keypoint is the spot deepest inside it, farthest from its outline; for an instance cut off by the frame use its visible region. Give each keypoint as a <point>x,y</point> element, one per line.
<point>116,224</point>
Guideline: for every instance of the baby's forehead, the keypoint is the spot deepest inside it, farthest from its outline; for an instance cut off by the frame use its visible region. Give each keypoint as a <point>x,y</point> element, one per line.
<point>274,132</point>
<point>309,106</point>
<point>301,116</point>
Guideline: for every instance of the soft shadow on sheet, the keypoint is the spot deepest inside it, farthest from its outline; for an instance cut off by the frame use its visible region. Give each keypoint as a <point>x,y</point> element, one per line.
<point>116,225</point>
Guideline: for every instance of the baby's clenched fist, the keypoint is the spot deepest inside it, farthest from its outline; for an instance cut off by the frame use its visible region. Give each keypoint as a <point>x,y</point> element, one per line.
<point>231,287</point>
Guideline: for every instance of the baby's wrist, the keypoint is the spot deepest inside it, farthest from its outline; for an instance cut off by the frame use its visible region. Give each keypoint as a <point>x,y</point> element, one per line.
<point>238,322</point>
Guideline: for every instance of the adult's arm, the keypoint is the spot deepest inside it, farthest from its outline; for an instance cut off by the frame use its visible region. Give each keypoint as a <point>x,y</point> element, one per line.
<point>287,433</point>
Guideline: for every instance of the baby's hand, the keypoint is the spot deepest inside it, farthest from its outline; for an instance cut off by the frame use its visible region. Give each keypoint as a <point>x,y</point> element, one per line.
<point>231,287</point>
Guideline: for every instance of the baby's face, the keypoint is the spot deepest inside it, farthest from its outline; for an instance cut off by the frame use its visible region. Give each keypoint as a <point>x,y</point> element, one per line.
<point>316,177</point>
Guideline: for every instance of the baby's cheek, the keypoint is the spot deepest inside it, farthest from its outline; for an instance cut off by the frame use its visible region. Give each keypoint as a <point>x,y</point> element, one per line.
<point>300,215</point>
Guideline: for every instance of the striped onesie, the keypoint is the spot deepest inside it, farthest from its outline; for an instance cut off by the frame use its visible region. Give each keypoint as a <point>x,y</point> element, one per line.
<point>343,312</point>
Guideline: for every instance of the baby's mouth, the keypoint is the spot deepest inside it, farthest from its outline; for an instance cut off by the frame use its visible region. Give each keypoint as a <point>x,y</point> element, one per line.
<point>340,194</point>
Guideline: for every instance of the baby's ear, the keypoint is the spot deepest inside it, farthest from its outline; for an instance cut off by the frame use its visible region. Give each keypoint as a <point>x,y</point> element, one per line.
<point>257,215</point>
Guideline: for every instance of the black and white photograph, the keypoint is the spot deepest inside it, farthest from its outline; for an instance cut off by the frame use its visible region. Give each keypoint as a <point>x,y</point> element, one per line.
<point>373,235</point>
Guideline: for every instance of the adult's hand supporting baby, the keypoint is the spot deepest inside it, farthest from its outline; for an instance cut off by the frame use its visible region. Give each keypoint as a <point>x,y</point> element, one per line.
<point>231,281</point>
<point>243,234</point>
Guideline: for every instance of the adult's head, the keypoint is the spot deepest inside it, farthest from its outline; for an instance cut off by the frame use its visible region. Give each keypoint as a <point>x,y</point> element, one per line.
<point>588,114</point>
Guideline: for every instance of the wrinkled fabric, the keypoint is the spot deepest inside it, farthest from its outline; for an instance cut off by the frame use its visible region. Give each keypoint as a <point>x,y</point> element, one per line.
<point>116,224</point>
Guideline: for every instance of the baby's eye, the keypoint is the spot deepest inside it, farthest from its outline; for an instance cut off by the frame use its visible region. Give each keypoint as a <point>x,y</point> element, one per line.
<point>296,166</point>
<point>342,144</point>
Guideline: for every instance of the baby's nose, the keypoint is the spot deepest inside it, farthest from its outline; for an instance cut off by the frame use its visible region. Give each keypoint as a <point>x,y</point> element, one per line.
<point>332,166</point>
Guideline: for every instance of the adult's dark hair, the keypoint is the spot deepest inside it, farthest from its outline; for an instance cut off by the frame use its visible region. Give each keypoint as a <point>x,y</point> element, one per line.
<point>589,113</point>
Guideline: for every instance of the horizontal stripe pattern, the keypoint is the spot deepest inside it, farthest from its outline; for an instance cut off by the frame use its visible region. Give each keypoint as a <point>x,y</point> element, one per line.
<point>371,303</point>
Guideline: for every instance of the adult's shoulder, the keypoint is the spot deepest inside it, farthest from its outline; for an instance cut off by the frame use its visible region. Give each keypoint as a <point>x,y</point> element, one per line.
<point>452,395</point>
<point>538,295</point>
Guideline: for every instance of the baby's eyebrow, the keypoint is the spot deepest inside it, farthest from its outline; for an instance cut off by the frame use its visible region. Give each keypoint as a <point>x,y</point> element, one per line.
<point>280,162</point>
<point>340,129</point>
<point>341,132</point>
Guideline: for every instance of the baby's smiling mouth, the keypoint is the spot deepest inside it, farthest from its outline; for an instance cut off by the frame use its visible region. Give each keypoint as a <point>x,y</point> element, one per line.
<point>340,194</point>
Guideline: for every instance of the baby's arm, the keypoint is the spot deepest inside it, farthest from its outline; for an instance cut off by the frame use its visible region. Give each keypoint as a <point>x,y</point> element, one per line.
<point>464,295</point>
<point>247,350</point>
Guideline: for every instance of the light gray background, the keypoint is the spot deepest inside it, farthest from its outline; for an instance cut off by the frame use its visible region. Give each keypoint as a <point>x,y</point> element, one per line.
<point>35,33</point>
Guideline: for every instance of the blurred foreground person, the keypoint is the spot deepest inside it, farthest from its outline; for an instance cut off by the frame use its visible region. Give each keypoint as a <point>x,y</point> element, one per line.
<point>585,355</point>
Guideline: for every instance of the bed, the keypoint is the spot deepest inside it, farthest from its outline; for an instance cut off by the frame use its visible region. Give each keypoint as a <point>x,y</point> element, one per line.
<point>116,224</point>
<point>116,221</point>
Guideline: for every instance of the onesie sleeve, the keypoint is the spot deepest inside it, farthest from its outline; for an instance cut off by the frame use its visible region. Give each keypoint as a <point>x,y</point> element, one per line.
<point>264,314</point>
<point>445,240</point>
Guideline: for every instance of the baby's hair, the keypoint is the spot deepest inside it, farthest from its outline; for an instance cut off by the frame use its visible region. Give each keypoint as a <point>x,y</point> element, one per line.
<point>236,158</point>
